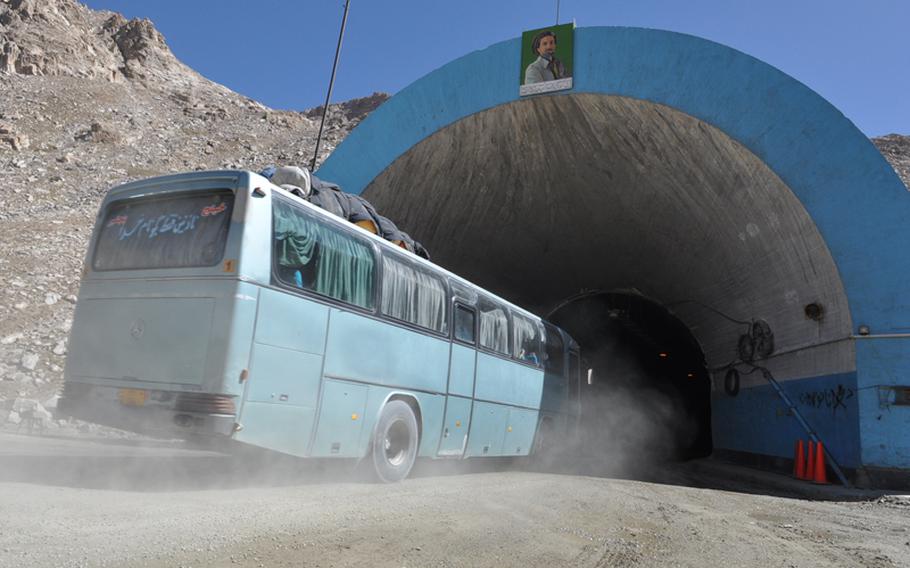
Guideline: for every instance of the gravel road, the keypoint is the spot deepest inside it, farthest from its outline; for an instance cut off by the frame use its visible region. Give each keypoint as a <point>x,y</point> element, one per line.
<point>123,503</point>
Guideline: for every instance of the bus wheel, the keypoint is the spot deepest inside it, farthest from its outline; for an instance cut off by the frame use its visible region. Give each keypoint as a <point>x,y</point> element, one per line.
<point>394,442</point>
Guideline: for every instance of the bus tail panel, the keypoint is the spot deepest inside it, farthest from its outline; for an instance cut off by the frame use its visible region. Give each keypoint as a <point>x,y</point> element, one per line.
<point>161,357</point>
<point>130,334</point>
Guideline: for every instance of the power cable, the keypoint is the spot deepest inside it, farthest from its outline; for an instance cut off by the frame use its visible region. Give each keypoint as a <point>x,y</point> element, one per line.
<point>328,95</point>
<point>711,308</point>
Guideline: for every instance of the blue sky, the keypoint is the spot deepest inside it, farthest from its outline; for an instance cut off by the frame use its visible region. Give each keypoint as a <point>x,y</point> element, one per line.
<point>852,52</point>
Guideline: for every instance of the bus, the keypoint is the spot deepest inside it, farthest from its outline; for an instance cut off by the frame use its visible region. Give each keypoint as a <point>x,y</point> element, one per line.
<point>216,304</point>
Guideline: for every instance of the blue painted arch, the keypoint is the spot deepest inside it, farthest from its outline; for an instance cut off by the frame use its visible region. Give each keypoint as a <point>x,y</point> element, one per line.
<point>851,193</point>
<point>848,188</point>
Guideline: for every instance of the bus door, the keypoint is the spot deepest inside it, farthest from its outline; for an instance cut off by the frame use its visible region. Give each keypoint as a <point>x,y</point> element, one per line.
<point>462,367</point>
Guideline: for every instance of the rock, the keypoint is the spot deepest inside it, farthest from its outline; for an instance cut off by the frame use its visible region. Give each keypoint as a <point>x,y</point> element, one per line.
<point>51,403</point>
<point>51,298</point>
<point>10,339</point>
<point>13,417</point>
<point>31,410</point>
<point>98,133</point>
<point>29,361</point>
<point>60,348</point>
<point>18,142</point>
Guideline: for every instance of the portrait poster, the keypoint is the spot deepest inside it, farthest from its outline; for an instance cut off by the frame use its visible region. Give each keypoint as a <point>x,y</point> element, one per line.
<point>546,59</point>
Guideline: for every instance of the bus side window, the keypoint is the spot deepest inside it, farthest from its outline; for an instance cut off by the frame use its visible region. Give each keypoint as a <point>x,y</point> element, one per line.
<point>494,326</point>
<point>555,360</point>
<point>313,255</point>
<point>464,324</point>
<point>413,295</point>
<point>525,340</point>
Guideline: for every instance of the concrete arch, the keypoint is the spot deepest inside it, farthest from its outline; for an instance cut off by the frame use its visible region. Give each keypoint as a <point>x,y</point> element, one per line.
<point>847,203</point>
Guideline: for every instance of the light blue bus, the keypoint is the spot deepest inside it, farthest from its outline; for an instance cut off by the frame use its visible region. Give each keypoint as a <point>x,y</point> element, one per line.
<point>217,304</point>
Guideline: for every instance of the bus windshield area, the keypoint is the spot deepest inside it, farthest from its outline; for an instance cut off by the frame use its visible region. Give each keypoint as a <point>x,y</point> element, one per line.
<point>175,231</point>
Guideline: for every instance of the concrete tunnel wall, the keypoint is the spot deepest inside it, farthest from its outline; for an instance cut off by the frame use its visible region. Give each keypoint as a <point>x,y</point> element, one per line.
<point>782,179</point>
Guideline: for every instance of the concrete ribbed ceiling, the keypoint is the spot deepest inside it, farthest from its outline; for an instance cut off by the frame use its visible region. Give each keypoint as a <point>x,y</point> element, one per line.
<point>540,199</point>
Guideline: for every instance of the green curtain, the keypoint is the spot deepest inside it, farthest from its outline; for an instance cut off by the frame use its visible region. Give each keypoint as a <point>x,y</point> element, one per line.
<point>343,267</point>
<point>295,239</point>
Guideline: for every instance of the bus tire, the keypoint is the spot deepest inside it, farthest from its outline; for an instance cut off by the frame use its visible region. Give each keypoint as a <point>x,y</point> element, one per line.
<point>395,439</point>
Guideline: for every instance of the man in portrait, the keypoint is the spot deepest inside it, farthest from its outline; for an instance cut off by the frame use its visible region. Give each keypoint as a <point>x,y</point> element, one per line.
<point>547,67</point>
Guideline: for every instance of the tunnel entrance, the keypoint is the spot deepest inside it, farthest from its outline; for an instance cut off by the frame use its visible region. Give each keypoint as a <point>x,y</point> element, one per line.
<point>650,395</point>
<point>706,180</point>
<point>541,199</point>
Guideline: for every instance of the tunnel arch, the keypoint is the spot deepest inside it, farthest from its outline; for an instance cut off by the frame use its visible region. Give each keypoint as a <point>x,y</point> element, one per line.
<point>822,206</point>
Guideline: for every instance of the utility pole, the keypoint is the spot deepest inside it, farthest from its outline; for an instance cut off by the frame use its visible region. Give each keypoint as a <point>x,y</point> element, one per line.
<point>328,95</point>
<point>557,12</point>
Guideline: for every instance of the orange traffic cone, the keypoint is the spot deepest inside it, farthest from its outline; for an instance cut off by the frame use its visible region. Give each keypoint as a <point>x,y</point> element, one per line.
<point>799,461</point>
<point>820,475</point>
<point>810,466</point>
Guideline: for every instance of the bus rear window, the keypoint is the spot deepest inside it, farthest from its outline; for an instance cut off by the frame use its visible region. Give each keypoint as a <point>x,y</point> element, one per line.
<point>188,230</point>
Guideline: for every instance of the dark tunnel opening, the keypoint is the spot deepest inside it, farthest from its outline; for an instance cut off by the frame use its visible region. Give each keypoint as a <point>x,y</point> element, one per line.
<point>649,400</point>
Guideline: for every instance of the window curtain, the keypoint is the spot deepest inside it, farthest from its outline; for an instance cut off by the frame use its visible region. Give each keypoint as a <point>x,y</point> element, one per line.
<point>343,266</point>
<point>345,269</point>
<point>525,337</point>
<point>412,295</point>
<point>494,328</point>
<point>295,237</point>
<point>526,340</point>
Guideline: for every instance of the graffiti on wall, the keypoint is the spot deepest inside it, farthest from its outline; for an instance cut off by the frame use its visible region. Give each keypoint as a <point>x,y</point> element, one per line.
<point>834,398</point>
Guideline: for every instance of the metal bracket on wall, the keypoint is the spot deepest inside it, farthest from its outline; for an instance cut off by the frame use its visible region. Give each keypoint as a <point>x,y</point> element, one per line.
<point>893,395</point>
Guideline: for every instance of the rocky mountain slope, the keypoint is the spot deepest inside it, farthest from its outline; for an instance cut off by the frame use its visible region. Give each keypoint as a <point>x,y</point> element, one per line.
<point>89,100</point>
<point>896,149</point>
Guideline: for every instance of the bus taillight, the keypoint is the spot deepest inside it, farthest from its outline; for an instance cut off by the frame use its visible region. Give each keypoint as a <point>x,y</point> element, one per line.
<point>205,403</point>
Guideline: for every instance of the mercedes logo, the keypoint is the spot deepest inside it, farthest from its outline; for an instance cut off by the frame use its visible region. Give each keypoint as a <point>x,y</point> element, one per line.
<point>137,329</point>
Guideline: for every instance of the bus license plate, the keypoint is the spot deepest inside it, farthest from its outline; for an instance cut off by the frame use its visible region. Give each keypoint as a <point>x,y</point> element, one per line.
<point>132,397</point>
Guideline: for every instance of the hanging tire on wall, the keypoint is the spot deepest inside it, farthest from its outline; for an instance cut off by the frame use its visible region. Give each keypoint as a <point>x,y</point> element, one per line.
<point>731,382</point>
<point>395,439</point>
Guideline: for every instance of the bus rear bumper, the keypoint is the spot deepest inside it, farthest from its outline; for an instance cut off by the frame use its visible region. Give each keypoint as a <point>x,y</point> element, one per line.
<point>102,405</point>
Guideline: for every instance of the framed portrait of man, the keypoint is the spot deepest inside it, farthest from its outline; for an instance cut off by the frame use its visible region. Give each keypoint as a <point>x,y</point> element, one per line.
<point>546,59</point>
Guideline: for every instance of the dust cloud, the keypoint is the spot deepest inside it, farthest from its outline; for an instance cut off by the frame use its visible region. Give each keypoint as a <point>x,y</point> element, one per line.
<point>149,465</point>
<point>637,415</point>
<point>649,401</point>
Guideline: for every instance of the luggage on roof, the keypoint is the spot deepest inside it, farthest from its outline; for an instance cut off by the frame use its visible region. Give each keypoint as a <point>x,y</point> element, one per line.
<point>330,197</point>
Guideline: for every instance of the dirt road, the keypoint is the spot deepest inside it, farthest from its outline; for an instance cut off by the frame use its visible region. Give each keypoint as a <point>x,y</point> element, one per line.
<point>73,503</point>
